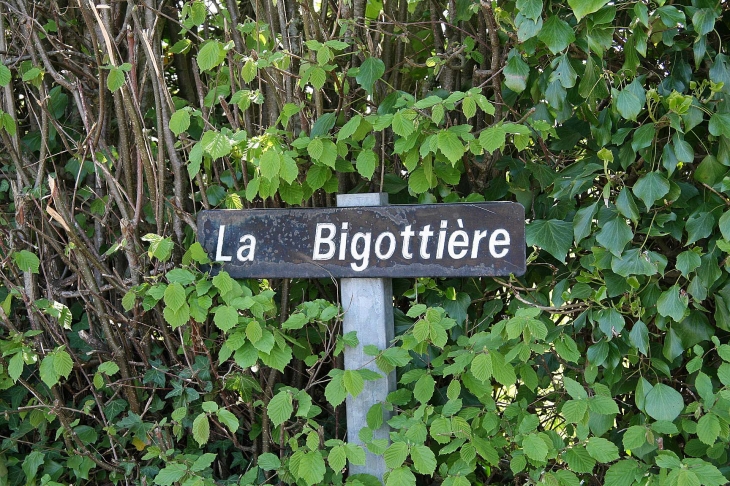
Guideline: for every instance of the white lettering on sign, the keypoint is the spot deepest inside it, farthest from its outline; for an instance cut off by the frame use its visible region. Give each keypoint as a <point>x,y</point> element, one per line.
<point>457,244</point>
<point>451,241</point>
<point>246,252</point>
<point>219,256</point>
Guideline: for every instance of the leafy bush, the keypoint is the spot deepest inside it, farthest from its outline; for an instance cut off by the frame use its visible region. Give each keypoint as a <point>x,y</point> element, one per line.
<point>124,362</point>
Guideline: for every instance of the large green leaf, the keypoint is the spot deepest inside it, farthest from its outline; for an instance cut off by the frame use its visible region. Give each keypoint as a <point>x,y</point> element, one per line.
<point>370,71</point>
<point>209,56</point>
<point>516,73</point>
<point>396,454</point>
<point>581,8</point>
<point>651,187</point>
<point>201,429</point>
<point>280,408</point>
<point>664,402</point>
<point>554,236</point>
<point>673,303</point>
<point>614,235</point>
<point>27,261</point>
<point>216,144</point>
<point>556,34</point>
<point>534,447</point>
<point>424,460</point>
<point>401,476</point>
<point>170,474</point>
<point>450,146</point>
<point>623,473</point>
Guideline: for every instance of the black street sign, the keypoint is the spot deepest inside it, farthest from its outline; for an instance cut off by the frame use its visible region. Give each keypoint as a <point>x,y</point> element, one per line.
<point>439,240</point>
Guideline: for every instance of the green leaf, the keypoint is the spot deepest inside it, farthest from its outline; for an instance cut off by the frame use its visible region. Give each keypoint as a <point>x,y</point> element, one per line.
<point>225,317</point>
<point>353,381</point>
<point>720,125</point>
<point>317,176</point>
<point>349,128</point>
<point>603,405</point>
<point>626,205</point>
<point>424,460</point>
<point>450,146</point>
<point>337,458</point>
<point>627,104</point>
<point>280,408</point>
<point>249,70</point>
<point>581,8</point>
<point>254,331</point>
<point>639,337</point>
<point>62,363</point>
<point>574,411</point>
<point>469,107</point>
<point>688,261</point>
<point>583,221</point>
<point>602,450</point>
<point>634,437</point>
<point>311,468</point>
<point>574,389</point>
<point>228,419</point>
<point>556,34</point>
<point>175,296</point>
<point>703,21</point>
<point>335,392</point>
<point>530,8</point>
<point>481,367</point>
<point>623,473</point>
<point>579,460</point>
<point>315,148</point>
<point>651,187</point>
<point>402,124</point>
<point>367,160</point>
<point>401,476</point>
<point>5,75</point>
<point>26,261</point>
<point>203,462</point>
<point>269,462</point>
<point>614,235</point>
<point>170,474</point>
<point>209,56</point>
<point>216,144</point>
<point>554,236</point>
<point>724,225</point>
<point>534,447</point>
<point>15,366</point>
<point>201,429</point>
<point>673,303</point>
<point>699,225</point>
<point>664,402</point>
<point>109,368</point>
<point>503,372</point>
<point>270,164</point>
<point>395,455</point>
<point>179,121</point>
<point>516,72</point>
<point>423,391</point>
<point>370,71</point>
<point>708,428</point>
<point>115,79</point>
<point>49,376</point>
<point>492,138</point>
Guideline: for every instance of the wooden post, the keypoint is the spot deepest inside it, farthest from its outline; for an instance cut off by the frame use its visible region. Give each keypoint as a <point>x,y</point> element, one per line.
<point>368,310</point>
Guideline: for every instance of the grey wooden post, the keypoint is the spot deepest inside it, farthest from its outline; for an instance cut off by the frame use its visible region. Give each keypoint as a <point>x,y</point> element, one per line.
<point>368,309</point>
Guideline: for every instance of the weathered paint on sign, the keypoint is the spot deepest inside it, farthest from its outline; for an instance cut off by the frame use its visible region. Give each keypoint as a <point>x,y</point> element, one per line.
<point>439,240</point>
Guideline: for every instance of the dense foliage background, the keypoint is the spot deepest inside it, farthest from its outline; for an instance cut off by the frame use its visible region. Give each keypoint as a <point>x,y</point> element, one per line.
<point>122,363</point>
